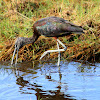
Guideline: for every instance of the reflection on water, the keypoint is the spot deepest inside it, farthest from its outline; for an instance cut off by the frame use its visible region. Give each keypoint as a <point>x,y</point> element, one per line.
<point>35,81</point>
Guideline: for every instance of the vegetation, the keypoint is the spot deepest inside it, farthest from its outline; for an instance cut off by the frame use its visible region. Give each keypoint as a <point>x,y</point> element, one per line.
<point>18,16</point>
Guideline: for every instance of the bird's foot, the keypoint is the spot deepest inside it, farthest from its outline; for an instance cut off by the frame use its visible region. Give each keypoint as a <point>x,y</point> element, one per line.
<point>46,52</point>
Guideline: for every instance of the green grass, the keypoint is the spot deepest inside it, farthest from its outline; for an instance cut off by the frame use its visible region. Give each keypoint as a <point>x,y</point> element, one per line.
<point>15,25</point>
<point>17,19</point>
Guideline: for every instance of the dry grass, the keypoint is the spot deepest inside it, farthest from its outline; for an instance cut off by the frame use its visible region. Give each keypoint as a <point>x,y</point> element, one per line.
<point>17,18</point>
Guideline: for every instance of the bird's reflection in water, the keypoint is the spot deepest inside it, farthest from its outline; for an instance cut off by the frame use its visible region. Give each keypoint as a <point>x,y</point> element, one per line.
<point>29,85</point>
<point>21,81</point>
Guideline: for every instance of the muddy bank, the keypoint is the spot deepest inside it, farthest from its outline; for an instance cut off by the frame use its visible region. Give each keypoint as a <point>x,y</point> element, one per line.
<point>78,48</point>
<point>17,18</point>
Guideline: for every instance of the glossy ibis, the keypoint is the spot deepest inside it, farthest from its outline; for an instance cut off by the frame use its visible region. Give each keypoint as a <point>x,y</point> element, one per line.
<point>50,27</point>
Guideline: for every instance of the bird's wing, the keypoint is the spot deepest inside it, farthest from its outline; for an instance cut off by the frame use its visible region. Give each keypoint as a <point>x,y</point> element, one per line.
<point>55,26</point>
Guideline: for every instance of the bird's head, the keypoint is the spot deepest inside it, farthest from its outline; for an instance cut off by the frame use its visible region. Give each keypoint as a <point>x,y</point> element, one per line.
<point>19,43</point>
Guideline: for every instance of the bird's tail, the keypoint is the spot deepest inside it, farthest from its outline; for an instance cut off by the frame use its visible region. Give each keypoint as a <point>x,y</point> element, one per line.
<point>70,27</point>
<point>76,29</point>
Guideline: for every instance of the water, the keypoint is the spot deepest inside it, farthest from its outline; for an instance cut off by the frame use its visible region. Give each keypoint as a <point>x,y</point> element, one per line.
<point>46,81</point>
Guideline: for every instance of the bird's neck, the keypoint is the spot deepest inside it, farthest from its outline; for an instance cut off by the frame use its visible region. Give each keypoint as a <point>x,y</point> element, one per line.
<point>31,39</point>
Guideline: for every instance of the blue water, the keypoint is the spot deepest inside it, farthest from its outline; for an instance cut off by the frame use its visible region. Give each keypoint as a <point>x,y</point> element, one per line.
<point>45,81</point>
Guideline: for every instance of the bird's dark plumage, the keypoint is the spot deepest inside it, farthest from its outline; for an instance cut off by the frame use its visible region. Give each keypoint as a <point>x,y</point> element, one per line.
<point>55,27</point>
<point>50,27</point>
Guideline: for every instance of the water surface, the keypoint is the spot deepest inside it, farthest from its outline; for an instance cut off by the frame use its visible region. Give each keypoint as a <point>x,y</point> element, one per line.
<point>45,81</point>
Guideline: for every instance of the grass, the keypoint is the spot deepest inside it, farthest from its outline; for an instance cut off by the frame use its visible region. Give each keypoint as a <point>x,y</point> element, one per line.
<point>18,17</point>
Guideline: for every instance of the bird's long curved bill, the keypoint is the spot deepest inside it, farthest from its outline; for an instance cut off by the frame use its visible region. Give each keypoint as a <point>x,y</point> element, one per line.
<point>14,55</point>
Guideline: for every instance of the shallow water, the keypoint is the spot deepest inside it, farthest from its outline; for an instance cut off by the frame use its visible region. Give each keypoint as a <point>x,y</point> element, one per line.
<point>45,81</point>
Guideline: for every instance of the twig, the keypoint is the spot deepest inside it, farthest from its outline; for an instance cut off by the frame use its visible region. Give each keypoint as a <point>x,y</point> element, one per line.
<point>22,15</point>
<point>9,13</point>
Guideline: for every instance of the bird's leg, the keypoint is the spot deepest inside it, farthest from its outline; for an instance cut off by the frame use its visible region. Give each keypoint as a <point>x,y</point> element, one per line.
<point>49,51</point>
<point>13,55</point>
<point>58,54</point>
<point>65,48</point>
<point>16,56</point>
<point>16,48</point>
